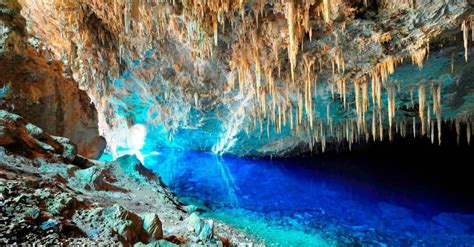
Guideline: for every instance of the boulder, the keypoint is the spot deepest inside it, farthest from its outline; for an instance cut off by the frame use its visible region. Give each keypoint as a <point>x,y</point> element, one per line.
<point>194,223</point>
<point>207,230</point>
<point>19,136</point>
<point>98,178</point>
<point>152,225</point>
<point>203,229</point>
<point>116,221</point>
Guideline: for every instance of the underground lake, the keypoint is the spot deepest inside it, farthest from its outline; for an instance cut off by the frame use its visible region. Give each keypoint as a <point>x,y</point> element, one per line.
<point>331,200</point>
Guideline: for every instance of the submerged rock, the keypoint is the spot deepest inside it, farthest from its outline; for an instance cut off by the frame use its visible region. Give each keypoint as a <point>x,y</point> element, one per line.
<point>455,222</point>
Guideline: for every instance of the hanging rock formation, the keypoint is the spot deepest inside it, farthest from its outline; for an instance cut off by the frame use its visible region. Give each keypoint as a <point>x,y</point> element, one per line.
<point>261,77</point>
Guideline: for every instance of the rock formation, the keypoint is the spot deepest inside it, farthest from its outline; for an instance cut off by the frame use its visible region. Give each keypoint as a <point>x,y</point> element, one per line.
<point>262,77</point>
<point>50,195</point>
<point>37,88</point>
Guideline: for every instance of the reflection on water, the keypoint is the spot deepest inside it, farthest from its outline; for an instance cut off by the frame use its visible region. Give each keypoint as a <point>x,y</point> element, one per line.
<point>288,203</point>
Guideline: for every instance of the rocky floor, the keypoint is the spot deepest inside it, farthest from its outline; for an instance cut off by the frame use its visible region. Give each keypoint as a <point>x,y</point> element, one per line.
<point>45,198</point>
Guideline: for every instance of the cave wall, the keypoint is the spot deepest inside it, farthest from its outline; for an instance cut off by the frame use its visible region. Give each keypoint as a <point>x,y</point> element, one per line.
<point>37,87</point>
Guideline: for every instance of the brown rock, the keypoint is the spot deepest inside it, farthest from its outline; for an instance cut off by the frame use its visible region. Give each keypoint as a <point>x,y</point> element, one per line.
<point>225,241</point>
<point>152,225</point>
<point>38,90</point>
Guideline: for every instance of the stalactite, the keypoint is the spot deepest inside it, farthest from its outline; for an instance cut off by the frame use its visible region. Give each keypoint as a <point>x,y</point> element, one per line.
<point>379,75</point>
<point>255,46</point>
<point>326,9</point>
<point>468,132</point>
<point>374,126</point>
<point>436,91</point>
<point>432,133</point>
<point>293,44</point>
<point>428,130</point>
<point>215,27</point>
<point>391,105</point>
<point>196,100</point>
<point>365,101</point>
<point>323,137</point>
<point>380,125</point>
<point>465,30</point>
<point>418,56</point>
<point>421,108</point>
<point>457,124</point>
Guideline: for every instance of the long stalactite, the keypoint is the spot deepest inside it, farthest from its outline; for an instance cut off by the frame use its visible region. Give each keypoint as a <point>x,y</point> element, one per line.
<point>286,55</point>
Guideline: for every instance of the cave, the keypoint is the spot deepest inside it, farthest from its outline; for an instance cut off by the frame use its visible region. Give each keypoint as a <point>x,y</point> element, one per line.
<point>236,122</point>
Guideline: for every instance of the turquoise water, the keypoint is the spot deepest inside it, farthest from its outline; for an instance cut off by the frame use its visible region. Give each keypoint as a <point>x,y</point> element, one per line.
<point>311,202</point>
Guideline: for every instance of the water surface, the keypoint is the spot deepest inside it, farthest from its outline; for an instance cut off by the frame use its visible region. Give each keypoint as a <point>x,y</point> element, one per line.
<point>315,202</point>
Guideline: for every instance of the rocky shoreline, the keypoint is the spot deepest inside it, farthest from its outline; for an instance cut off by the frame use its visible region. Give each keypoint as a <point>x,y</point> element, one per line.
<point>51,195</point>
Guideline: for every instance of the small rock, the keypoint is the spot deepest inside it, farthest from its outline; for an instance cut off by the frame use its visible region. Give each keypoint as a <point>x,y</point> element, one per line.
<point>207,230</point>
<point>49,224</point>
<point>194,224</point>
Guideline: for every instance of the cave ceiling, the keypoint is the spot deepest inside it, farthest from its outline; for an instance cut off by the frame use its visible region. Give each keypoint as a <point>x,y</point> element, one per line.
<point>263,77</point>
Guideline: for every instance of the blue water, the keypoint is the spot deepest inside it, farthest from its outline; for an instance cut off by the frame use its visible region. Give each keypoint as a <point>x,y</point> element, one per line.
<point>308,202</point>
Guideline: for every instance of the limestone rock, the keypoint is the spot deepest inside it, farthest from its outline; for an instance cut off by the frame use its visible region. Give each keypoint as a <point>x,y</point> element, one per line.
<point>20,137</point>
<point>159,243</point>
<point>37,89</point>
<point>116,221</point>
<point>194,223</point>
<point>197,80</point>
<point>207,230</point>
<point>152,225</point>
<point>203,229</point>
<point>98,178</point>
